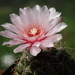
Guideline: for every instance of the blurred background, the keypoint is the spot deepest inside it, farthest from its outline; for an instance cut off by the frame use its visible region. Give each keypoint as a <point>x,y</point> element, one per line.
<point>67,7</point>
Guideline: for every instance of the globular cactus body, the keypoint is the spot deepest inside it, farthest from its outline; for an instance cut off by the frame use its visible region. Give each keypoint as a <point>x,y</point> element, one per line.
<point>51,62</point>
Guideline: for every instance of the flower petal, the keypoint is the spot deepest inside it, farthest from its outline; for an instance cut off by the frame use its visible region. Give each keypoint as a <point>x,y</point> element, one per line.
<point>40,14</point>
<point>10,27</point>
<point>32,39</point>
<point>37,44</point>
<point>44,18</point>
<point>47,43</point>
<point>15,19</point>
<point>44,8</point>
<point>54,22</point>
<point>21,48</point>
<point>35,50</point>
<point>37,7</point>
<point>13,42</point>
<point>40,9</point>
<point>53,13</point>
<point>8,34</point>
<point>56,37</point>
<point>52,10</point>
<point>35,16</point>
<point>57,28</point>
<point>41,37</point>
<point>29,14</point>
<point>26,37</point>
<point>63,25</point>
<point>23,17</point>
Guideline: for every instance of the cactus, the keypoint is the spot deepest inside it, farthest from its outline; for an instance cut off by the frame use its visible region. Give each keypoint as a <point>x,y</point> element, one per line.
<point>51,62</point>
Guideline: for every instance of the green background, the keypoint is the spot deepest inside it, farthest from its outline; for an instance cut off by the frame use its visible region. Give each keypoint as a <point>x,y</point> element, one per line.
<point>67,7</point>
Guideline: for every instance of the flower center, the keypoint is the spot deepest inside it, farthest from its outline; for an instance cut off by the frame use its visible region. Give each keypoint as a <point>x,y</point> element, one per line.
<point>33,31</point>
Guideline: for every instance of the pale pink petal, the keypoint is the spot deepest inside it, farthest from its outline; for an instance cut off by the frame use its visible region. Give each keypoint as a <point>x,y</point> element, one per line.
<point>40,9</point>
<point>55,38</point>
<point>41,37</point>
<point>53,13</point>
<point>35,50</point>
<point>57,28</point>
<point>52,31</point>
<point>40,14</point>
<point>15,19</point>
<point>37,7</point>
<point>8,34</point>
<point>63,25</point>
<point>26,37</point>
<point>13,42</point>
<point>37,44</point>
<point>23,17</point>
<point>54,22</point>
<point>19,39</point>
<point>21,11</point>
<point>35,16</point>
<point>52,9</point>
<point>37,13</point>
<point>42,47</point>
<point>29,14</point>
<point>44,18</point>
<point>26,15</point>
<point>10,27</point>
<point>44,8</point>
<point>21,48</point>
<point>32,39</point>
<point>47,43</point>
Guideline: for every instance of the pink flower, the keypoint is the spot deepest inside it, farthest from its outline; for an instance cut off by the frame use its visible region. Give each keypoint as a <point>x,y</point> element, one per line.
<point>34,28</point>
